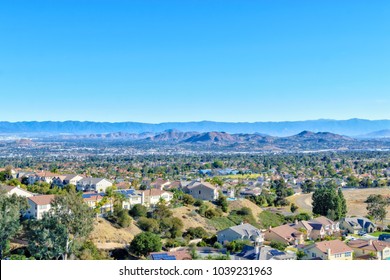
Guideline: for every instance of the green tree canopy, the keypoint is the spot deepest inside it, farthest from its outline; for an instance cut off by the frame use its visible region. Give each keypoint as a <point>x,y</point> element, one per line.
<point>145,243</point>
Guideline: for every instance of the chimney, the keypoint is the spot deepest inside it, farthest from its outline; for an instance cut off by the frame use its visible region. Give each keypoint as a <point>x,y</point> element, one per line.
<point>328,251</point>
<point>370,242</point>
<point>296,222</point>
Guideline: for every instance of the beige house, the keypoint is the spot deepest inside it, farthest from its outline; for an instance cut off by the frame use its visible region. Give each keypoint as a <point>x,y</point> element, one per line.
<point>10,190</point>
<point>322,226</point>
<point>38,205</point>
<point>202,190</point>
<point>153,196</point>
<point>378,249</point>
<point>285,234</point>
<point>329,250</point>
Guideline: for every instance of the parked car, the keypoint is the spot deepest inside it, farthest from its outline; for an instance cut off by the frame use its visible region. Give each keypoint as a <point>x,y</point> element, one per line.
<point>361,233</point>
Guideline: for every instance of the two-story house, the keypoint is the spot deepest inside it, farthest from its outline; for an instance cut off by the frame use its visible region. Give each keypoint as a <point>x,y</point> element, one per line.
<point>202,190</point>
<point>240,232</point>
<point>93,184</point>
<point>38,205</point>
<point>151,197</point>
<point>328,250</point>
<point>285,234</point>
<point>375,248</point>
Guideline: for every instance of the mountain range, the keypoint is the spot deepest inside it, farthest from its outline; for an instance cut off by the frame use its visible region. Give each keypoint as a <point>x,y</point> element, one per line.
<point>352,127</point>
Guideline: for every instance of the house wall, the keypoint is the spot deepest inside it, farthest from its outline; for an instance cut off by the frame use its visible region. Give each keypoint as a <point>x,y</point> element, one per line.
<point>37,211</point>
<point>227,235</point>
<point>203,193</point>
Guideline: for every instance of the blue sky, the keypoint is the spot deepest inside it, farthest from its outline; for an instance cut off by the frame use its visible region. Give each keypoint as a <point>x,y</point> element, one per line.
<point>157,61</point>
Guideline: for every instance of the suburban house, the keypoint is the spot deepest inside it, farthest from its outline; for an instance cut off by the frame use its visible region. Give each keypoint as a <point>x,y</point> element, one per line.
<point>160,184</point>
<point>93,184</point>
<point>173,255</point>
<point>285,234</point>
<point>304,227</point>
<point>132,197</point>
<point>153,196</point>
<point>323,226</point>
<point>69,179</point>
<point>263,253</point>
<point>240,232</point>
<point>202,190</point>
<point>374,248</point>
<point>329,250</point>
<point>92,199</point>
<point>357,224</point>
<point>38,205</point>
<point>43,176</point>
<point>10,190</point>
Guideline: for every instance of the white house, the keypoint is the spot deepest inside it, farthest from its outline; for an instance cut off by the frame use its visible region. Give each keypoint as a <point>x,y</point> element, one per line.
<point>152,196</point>
<point>240,232</point>
<point>10,190</point>
<point>93,184</point>
<point>38,205</point>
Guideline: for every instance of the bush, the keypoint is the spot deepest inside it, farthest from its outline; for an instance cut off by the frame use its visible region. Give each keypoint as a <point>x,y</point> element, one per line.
<point>278,245</point>
<point>149,224</point>
<point>198,203</point>
<point>138,210</point>
<point>188,199</point>
<point>197,232</point>
<point>145,243</point>
<point>237,245</point>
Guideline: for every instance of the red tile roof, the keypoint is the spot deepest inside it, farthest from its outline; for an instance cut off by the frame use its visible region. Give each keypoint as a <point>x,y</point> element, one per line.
<point>335,246</point>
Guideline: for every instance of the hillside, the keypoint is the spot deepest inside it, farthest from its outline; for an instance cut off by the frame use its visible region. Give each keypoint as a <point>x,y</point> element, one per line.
<point>350,127</point>
<point>106,236</point>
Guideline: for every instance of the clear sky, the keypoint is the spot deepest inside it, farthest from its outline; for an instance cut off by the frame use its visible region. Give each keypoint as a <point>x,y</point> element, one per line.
<point>157,61</point>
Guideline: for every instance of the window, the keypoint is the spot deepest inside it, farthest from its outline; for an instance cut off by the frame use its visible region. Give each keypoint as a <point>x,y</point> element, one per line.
<point>313,255</point>
<point>199,192</point>
<point>348,254</point>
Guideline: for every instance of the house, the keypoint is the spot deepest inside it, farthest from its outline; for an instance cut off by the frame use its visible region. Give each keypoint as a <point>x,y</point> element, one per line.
<point>323,226</point>
<point>202,190</point>
<point>240,232</point>
<point>379,249</point>
<point>38,205</point>
<point>328,250</point>
<point>10,190</point>
<point>92,199</point>
<point>285,234</point>
<point>263,253</point>
<point>93,184</point>
<point>42,176</point>
<point>173,255</point>
<point>132,197</point>
<point>160,184</point>
<point>153,196</point>
<point>304,227</point>
<point>357,224</point>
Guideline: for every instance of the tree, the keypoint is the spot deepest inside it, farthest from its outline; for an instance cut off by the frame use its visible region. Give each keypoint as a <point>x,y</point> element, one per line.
<point>188,199</point>
<point>293,207</point>
<point>10,209</point>
<point>145,243</point>
<point>222,202</point>
<point>328,202</point>
<point>149,224</point>
<point>121,217</point>
<point>47,238</point>
<point>278,245</point>
<point>138,210</point>
<point>76,216</point>
<point>376,206</point>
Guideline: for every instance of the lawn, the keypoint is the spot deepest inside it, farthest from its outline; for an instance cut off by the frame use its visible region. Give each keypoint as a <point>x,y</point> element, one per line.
<point>377,233</point>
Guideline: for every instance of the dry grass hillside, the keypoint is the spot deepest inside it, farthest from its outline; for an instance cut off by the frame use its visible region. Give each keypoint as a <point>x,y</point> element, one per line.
<point>238,204</point>
<point>192,219</point>
<point>106,236</point>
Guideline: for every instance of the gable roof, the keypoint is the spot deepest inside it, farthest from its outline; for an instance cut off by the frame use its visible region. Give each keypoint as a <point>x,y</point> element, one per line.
<point>42,199</point>
<point>370,245</point>
<point>245,230</point>
<point>322,220</point>
<point>204,184</point>
<point>335,246</point>
<point>7,188</point>
<point>154,192</point>
<point>286,232</point>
